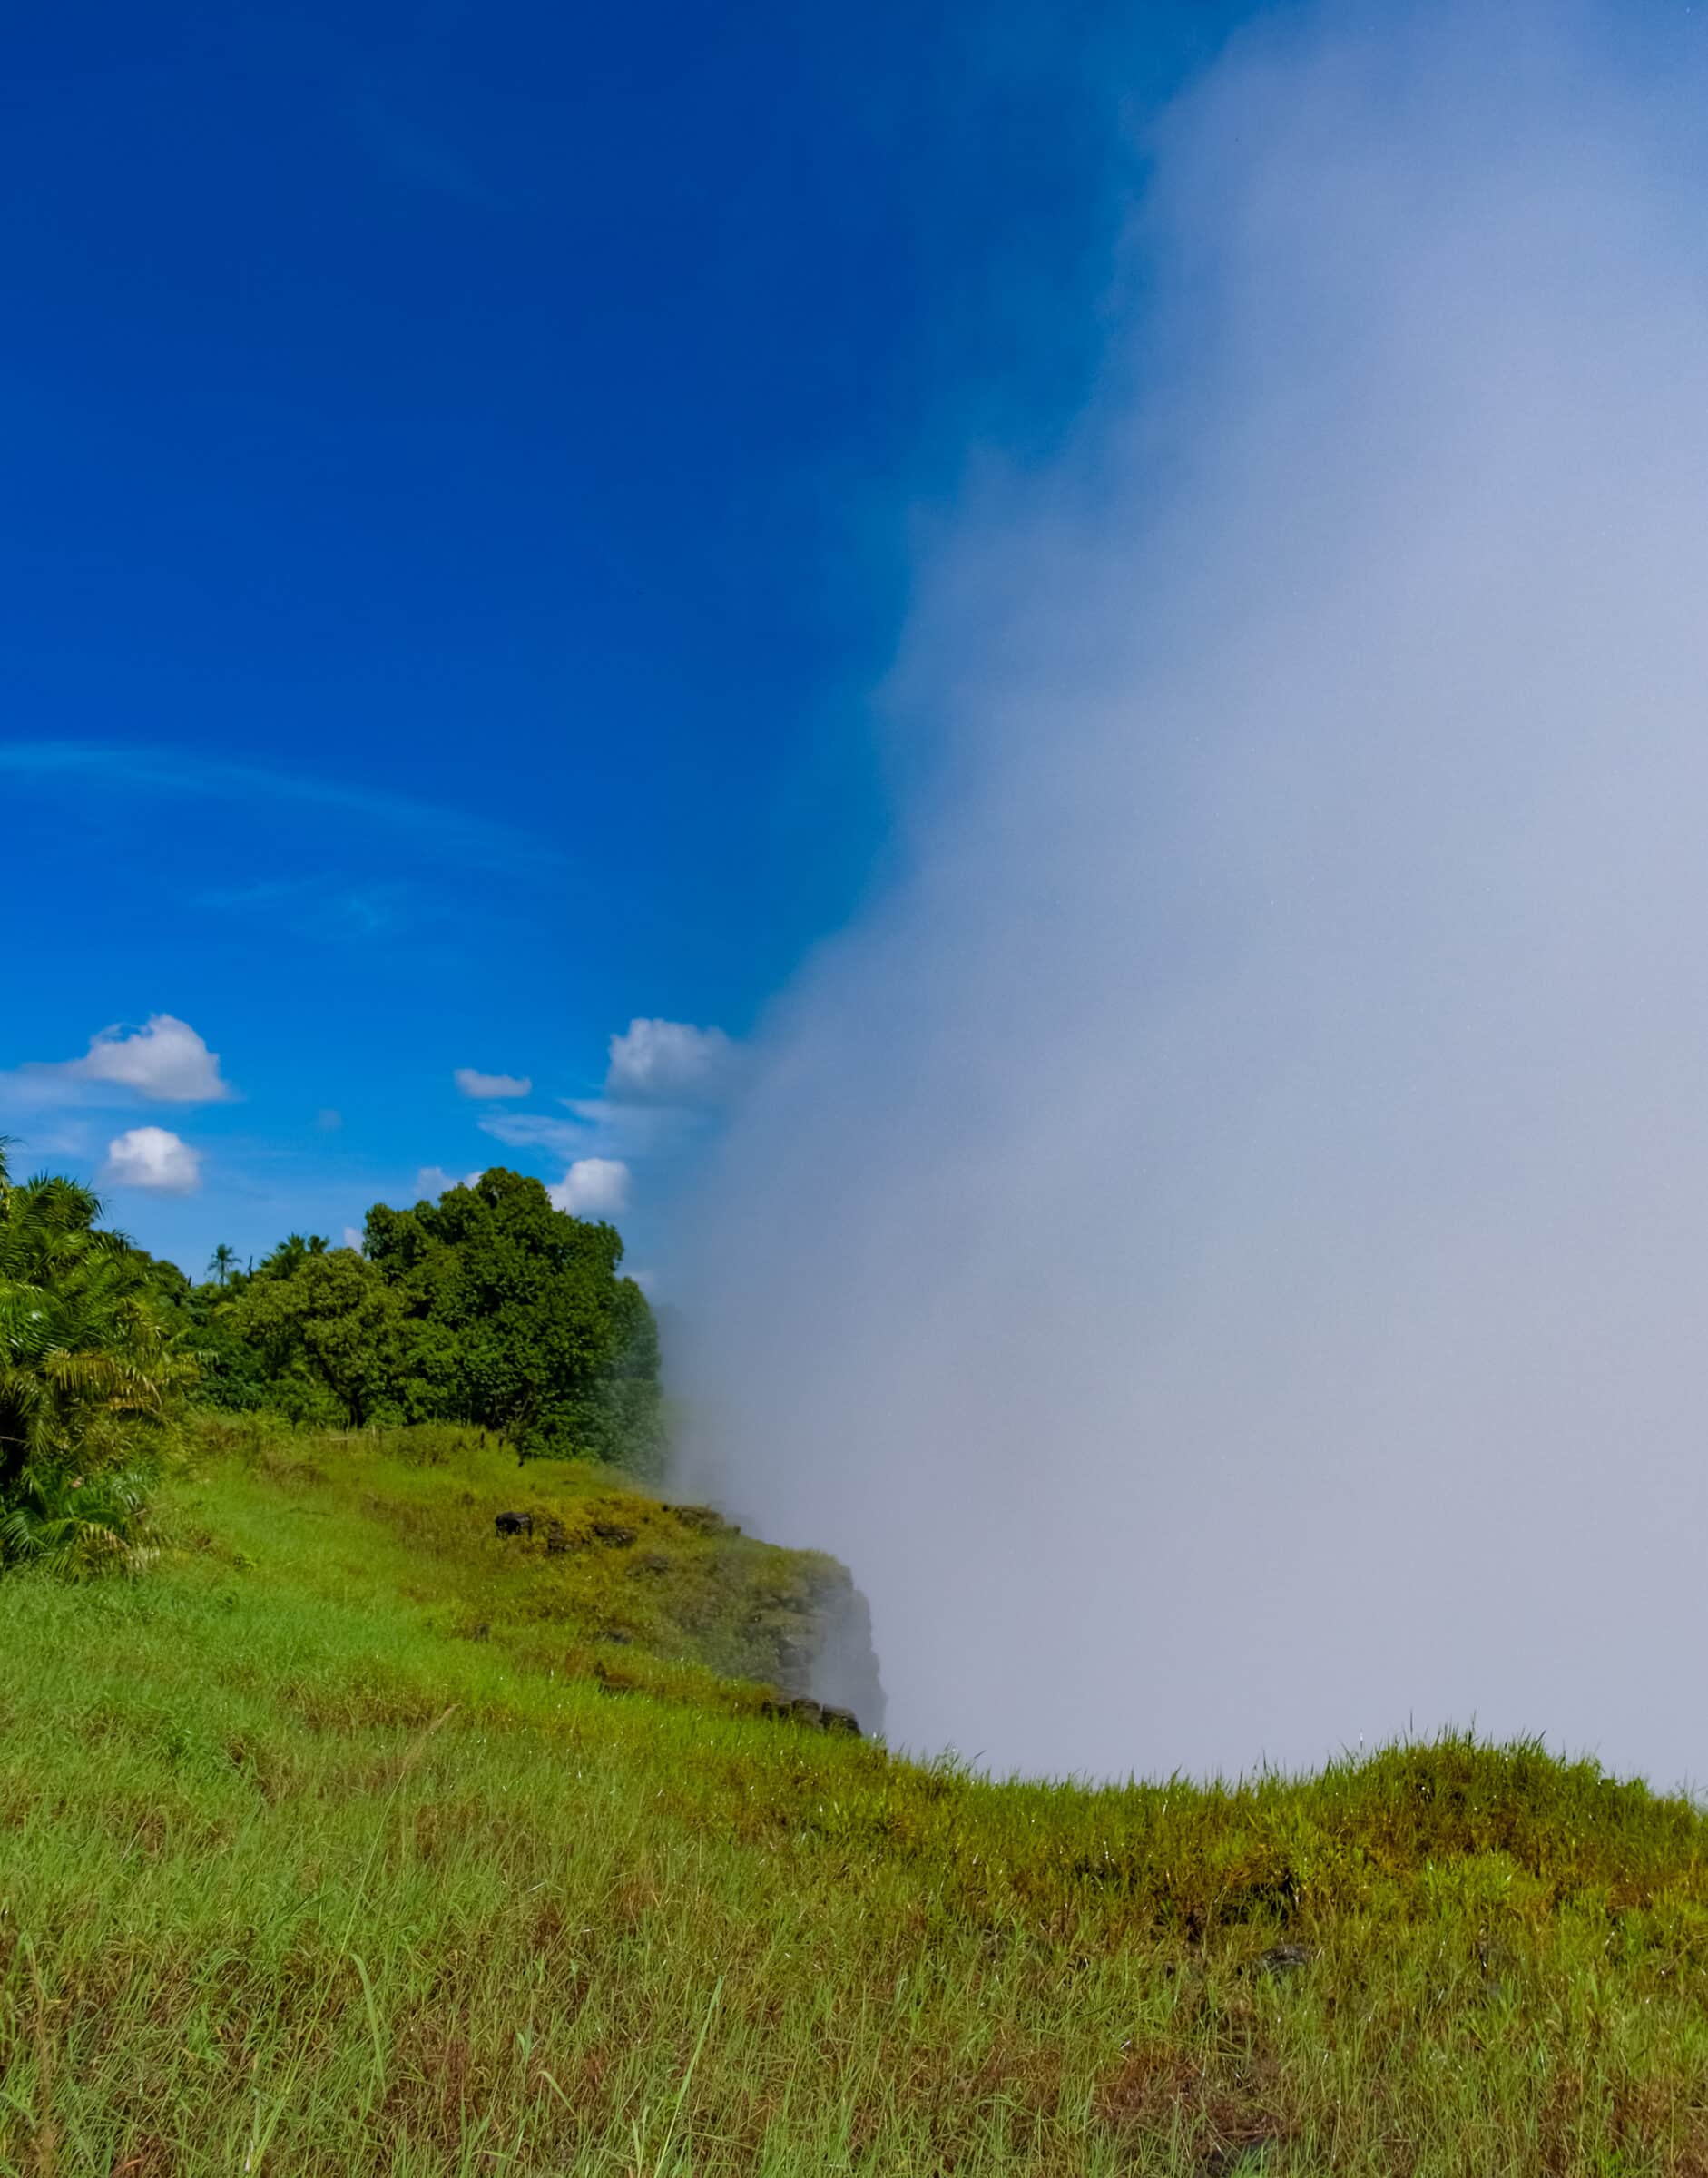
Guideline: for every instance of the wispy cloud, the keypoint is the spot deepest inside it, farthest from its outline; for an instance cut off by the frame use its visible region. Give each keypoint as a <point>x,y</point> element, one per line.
<point>597,1129</point>
<point>536,1131</point>
<point>634,1130</point>
<point>95,766</point>
<point>60,1137</point>
<point>322,906</point>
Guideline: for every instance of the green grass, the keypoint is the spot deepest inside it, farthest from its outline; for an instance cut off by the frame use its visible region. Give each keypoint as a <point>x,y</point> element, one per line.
<point>302,1872</point>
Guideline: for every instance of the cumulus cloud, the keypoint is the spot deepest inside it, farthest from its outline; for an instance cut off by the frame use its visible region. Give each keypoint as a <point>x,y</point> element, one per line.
<point>592,1187</point>
<point>1218,1246</point>
<point>355,1238</point>
<point>488,1087</point>
<point>669,1063</point>
<point>152,1158</point>
<point>163,1061</point>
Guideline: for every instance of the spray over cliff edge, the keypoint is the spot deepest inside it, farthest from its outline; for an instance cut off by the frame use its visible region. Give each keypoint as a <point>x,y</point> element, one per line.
<point>1220,1247</point>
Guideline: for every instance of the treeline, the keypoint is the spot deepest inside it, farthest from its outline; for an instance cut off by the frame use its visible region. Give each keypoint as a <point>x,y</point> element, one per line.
<point>488,1306</point>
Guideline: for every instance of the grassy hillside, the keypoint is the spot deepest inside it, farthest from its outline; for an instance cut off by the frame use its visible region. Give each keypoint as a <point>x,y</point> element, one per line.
<point>611,1581</point>
<point>342,1842</point>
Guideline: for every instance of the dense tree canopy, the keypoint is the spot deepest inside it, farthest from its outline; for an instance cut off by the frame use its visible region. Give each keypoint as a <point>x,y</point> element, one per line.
<point>488,1306</point>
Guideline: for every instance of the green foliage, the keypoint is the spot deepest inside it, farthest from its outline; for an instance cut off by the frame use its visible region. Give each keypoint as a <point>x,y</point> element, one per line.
<point>488,1306</point>
<point>612,1581</point>
<point>525,1326</point>
<point>330,1850</point>
<point>88,1383</point>
<point>329,1332</point>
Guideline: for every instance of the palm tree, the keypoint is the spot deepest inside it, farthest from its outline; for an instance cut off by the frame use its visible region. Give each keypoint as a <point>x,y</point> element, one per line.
<point>287,1257</point>
<point>87,1377</point>
<point>318,1243</point>
<point>221,1262</point>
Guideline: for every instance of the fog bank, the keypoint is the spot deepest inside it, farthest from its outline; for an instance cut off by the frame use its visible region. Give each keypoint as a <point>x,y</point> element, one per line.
<point>1221,1248</point>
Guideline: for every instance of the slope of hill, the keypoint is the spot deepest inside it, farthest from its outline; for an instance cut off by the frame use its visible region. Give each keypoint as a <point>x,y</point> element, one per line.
<point>342,1842</point>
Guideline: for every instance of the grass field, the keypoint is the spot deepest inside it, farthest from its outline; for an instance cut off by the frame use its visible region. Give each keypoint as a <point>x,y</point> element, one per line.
<point>343,1841</point>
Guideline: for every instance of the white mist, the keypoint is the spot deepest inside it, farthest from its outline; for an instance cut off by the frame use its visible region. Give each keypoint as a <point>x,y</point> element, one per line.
<point>1222,1248</point>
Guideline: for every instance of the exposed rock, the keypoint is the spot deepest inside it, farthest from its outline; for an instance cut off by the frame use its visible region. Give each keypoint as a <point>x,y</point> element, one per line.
<point>801,1709</point>
<point>514,1523</point>
<point>843,1670</point>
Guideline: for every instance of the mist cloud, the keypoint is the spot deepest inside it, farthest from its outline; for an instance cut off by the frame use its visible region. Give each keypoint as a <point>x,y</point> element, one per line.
<point>1222,1247</point>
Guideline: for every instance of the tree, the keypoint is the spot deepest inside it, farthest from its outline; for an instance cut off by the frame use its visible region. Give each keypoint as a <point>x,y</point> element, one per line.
<point>328,1335</point>
<point>88,1384</point>
<point>517,1320</point>
<point>222,1262</point>
<point>285,1260</point>
<point>488,1307</point>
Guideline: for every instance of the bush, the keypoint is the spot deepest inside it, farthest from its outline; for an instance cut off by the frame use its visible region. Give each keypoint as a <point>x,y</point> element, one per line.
<point>89,1388</point>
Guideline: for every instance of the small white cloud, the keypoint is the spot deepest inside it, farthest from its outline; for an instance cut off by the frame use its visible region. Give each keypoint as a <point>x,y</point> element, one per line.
<point>592,1187</point>
<point>432,1180</point>
<point>489,1087</point>
<point>355,1238</point>
<point>669,1063</point>
<point>164,1060</point>
<point>156,1158</point>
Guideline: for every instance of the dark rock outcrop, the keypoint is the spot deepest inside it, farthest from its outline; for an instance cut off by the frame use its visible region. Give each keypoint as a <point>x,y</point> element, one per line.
<point>841,1670</point>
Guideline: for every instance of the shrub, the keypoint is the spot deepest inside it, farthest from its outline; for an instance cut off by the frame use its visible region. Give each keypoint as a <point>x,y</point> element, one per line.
<point>88,1386</point>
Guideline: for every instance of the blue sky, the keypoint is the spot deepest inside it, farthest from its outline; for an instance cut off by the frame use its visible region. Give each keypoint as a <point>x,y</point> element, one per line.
<point>461,468</point>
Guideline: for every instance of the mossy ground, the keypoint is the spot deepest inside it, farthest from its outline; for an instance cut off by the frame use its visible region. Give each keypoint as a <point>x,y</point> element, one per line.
<point>300,1872</point>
